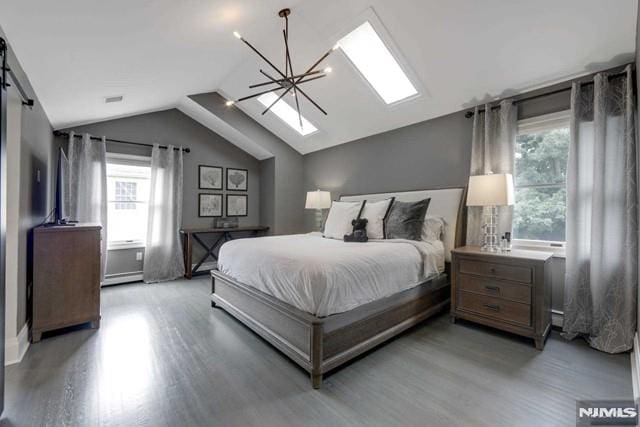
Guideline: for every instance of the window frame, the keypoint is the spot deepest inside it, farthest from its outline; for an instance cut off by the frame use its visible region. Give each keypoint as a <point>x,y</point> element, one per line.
<point>540,124</point>
<point>371,16</point>
<point>133,160</point>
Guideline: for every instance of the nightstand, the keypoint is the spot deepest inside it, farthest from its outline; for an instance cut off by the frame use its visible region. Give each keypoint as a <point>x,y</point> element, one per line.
<point>505,290</point>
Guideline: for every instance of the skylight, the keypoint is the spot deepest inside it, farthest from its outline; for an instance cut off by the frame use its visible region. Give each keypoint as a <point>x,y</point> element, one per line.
<point>287,114</point>
<point>372,58</point>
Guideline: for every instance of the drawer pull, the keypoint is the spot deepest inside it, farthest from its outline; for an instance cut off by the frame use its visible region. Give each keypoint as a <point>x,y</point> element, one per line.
<point>492,288</point>
<point>492,307</point>
<point>493,270</point>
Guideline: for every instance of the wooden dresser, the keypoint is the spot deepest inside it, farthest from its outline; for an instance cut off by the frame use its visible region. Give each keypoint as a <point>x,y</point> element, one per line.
<point>505,290</point>
<point>66,277</point>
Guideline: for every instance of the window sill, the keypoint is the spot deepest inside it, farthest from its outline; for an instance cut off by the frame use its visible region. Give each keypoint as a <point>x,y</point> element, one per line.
<point>558,252</point>
<point>125,245</point>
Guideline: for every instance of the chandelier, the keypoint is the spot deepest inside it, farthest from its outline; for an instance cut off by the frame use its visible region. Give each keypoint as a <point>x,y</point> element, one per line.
<point>287,81</point>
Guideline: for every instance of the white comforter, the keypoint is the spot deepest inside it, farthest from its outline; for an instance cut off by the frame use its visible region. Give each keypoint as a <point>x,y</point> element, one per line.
<point>326,276</point>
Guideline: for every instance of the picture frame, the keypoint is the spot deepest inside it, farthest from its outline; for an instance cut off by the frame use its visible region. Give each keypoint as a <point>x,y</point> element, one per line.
<point>237,179</point>
<point>237,205</point>
<point>210,177</point>
<point>210,205</point>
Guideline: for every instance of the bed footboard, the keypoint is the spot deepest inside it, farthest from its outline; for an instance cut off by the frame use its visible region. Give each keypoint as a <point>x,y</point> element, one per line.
<point>320,344</point>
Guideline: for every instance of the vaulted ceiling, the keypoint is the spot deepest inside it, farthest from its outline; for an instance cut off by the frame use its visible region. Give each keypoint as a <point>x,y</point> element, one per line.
<point>156,52</point>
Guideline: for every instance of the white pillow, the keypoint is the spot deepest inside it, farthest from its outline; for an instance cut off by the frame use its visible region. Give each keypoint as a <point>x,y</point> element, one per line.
<point>375,213</point>
<point>339,219</point>
<point>432,228</point>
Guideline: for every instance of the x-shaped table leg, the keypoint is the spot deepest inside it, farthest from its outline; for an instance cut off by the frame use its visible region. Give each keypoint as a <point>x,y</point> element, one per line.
<point>210,250</point>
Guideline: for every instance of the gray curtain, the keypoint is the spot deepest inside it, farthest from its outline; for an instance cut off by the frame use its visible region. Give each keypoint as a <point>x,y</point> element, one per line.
<point>163,253</point>
<point>492,150</point>
<point>602,228</point>
<point>88,185</point>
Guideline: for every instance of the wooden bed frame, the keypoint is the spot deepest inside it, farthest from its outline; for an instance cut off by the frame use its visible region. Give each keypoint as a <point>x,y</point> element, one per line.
<point>320,344</point>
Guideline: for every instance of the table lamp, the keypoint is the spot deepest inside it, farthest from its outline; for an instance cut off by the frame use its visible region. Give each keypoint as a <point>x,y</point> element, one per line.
<point>318,200</point>
<point>490,190</point>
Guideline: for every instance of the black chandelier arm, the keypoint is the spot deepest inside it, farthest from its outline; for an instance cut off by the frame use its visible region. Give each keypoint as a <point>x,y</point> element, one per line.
<point>278,81</point>
<point>272,79</point>
<point>262,56</point>
<point>295,94</point>
<point>310,100</point>
<point>287,55</point>
<point>259,93</point>
<point>310,80</point>
<point>279,98</point>
<point>286,41</point>
<point>322,58</point>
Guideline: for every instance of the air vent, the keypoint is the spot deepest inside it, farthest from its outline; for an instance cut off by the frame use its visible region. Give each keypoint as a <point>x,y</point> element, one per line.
<point>112,99</point>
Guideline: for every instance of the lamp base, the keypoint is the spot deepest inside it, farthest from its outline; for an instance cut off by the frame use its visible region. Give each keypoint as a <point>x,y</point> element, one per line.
<point>319,220</point>
<point>490,227</point>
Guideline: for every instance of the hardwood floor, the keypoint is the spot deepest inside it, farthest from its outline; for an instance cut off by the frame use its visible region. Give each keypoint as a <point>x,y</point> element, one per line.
<point>163,356</point>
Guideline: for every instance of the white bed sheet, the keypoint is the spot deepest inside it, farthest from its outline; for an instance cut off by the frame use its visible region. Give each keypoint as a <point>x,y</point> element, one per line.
<point>327,276</point>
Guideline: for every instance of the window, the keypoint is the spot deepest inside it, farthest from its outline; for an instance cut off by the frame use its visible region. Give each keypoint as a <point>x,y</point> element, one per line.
<point>368,53</point>
<point>541,153</point>
<point>127,195</point>
<point>287,114</point>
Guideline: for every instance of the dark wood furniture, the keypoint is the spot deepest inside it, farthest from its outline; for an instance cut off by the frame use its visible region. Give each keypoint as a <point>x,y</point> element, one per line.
<point>225,234</point>
<point>505,290</point>
<point>66,277</point>
<point>320,344</point>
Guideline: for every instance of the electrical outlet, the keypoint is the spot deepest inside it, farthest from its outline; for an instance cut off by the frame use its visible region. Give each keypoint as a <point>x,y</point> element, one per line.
<point>38,176</point>
<point>138,256</point>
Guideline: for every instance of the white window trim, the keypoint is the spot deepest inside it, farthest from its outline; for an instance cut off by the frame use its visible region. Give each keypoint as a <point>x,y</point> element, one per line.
<point>125,244</point>
<point>540,124</point>
<point>557,248</point>
<point>370,15</point>
<point>134,160</point>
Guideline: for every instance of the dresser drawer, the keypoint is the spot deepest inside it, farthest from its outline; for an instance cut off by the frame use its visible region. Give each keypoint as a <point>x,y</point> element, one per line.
<point>499,271</point>
<point>511,291</point>
<point>495,308</point>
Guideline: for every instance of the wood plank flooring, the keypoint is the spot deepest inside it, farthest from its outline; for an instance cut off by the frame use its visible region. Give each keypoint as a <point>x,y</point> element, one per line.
<point>163,356</point>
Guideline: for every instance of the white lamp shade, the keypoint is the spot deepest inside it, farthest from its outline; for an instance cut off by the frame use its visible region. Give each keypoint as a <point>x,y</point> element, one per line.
<point>318,200</point>
<point>490,190</point>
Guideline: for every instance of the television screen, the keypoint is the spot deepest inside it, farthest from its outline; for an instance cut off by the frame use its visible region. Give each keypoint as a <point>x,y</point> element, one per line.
<point>62,182</point>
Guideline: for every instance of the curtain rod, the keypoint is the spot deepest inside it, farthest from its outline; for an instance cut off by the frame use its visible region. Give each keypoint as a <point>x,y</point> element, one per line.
<point>118,141</point>
<point>470,114</point>
<point>6,69</point>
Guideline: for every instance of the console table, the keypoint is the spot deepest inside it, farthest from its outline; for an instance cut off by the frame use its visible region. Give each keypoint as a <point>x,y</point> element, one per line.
<point>225,234</point>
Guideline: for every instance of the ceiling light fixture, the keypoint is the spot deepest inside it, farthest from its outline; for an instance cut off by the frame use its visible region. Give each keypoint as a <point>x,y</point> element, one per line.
<point>287,81</point>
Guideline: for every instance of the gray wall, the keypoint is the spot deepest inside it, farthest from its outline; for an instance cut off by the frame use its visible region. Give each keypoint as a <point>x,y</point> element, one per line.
<point>38,154</point>
<point>431,154</point>
<point>284,211</point>
<point>207,147</point>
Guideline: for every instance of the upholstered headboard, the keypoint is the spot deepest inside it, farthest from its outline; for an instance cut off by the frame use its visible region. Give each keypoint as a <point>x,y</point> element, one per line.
<point>445,203</point>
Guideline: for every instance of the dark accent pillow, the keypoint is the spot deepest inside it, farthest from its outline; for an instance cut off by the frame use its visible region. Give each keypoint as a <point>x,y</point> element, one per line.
<point>359,233</point>
<point>405,220</point>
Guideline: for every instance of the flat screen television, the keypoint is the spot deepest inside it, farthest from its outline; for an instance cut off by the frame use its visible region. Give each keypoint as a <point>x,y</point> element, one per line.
<point>62,186</point>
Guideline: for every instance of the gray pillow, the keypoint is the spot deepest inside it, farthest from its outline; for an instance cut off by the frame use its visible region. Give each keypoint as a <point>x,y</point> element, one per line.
<point>405,220</point>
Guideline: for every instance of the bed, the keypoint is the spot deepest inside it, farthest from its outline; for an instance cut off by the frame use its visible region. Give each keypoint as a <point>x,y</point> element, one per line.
<point>323,302</point>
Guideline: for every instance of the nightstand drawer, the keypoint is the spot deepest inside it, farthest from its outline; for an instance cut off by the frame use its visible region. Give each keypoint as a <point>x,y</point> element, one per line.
<point>499,271</point>
<point>496,308</point>
<point>511,291</point>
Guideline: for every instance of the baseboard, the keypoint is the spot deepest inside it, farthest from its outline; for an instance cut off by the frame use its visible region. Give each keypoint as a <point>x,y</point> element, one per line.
<point>16,347</point>
<point>557,318</point>
<point>118,279</point>
<point>635,368</point>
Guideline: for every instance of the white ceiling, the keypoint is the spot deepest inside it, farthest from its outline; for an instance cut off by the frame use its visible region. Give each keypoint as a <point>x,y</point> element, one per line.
<point>155,52</point>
